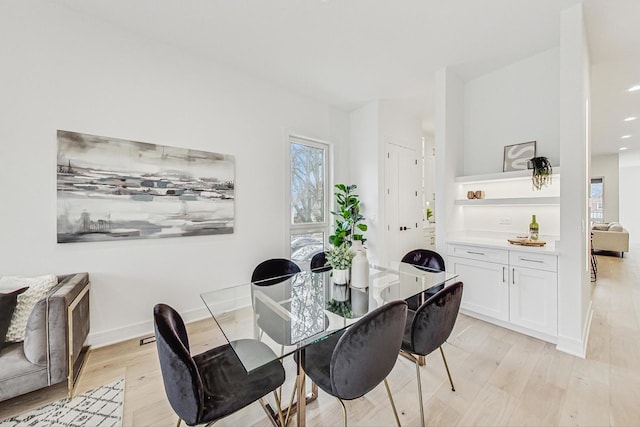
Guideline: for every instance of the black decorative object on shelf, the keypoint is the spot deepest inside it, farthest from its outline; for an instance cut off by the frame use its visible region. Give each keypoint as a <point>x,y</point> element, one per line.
<point>542,170</point>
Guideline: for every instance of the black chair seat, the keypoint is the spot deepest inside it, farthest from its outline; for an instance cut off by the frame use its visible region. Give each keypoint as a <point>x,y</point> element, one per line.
<point>213,384</point>
<point>227,385</point>
<point>317,361</point>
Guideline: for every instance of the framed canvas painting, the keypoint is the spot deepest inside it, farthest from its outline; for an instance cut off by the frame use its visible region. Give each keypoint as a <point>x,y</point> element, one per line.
<point>116,189</point>
<point>516,156</point>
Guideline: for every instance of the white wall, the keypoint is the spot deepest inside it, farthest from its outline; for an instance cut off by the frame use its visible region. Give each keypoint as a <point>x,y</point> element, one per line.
<point>606,166</point>
<point>61,70</point>
<point>629,200</point>
<point>449,141</point>
<point>574,288</point>
<point>371,127</point>
<point>365,169</point>
<point>515,104</point>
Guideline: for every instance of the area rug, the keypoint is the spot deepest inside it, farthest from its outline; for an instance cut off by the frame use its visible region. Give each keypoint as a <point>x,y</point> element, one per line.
<point>99,407</point>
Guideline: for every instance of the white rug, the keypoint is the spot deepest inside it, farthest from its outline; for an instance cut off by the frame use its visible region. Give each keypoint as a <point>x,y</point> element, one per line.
<point>100,407</point>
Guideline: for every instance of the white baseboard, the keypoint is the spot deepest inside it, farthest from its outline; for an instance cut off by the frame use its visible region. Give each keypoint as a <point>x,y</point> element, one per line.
<point>141,329</point>
<point>577,347</point>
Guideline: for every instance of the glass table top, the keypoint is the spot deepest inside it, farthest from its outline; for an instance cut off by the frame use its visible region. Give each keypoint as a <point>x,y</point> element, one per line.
<point>307,307</point>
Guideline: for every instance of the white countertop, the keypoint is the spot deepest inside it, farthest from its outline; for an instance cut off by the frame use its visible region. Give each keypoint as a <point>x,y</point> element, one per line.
<point>502,243</point>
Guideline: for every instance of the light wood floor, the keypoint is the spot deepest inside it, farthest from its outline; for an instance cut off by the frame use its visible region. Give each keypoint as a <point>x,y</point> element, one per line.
<point>501,377</point>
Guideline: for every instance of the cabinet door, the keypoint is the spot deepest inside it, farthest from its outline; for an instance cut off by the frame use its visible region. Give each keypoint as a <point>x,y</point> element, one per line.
<point>534,299</point>
<point>486,288</point>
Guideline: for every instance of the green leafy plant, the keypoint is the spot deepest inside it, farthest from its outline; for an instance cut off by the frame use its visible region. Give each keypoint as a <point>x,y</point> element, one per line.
<point>429,214</point>
<point>542,171</point>
<point>348,225</point>
<point>341,308</point>
<point>339,257</point>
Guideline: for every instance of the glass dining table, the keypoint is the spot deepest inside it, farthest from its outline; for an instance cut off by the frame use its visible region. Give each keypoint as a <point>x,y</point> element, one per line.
<point>295,311</point>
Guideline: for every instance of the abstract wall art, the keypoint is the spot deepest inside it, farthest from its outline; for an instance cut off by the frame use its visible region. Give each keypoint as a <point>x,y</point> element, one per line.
<point>516,156</point>
<point>115,189</point>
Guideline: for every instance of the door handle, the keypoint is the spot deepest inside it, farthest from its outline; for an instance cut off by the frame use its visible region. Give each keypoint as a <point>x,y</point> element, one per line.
<point>513,276</point>
<point>475,253</point>
<point>503,271</point>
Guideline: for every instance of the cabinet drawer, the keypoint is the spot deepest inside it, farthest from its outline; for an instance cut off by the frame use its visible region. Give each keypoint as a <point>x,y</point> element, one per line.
<point>479,253</point>
<point>533,260</point>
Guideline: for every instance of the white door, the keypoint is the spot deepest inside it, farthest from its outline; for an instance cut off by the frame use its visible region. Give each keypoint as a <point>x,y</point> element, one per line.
<point>402,202</point>
<point>533,299</point>
<point>486,286</point>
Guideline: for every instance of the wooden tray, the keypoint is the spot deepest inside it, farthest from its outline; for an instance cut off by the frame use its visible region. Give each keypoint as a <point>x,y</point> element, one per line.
<point>527,242</point>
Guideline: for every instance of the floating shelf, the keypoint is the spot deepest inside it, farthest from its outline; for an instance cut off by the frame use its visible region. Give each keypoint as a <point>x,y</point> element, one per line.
<point>509,201</point>
<point>502,176</point>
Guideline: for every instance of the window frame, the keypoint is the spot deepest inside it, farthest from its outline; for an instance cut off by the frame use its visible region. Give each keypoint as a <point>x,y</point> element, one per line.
<point>324,227</point>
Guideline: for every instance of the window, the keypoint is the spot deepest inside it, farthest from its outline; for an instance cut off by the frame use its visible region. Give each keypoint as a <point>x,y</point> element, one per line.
<point>309,223</point>
<point>596,200</point>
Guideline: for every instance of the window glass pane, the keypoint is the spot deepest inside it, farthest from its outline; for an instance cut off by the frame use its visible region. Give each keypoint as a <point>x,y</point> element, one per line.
<point>596,202</point>
<point>307,184</point>
<point>304,246</point>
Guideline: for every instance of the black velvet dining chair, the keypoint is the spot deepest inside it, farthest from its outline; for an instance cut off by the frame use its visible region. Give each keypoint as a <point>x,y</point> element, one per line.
<point>319,263</point>
<point>213,384</point>
<point>273,271</point>
<point>429,260</point>
<point>429,327</point>
<point>268,273</point>
<point>349,364</point>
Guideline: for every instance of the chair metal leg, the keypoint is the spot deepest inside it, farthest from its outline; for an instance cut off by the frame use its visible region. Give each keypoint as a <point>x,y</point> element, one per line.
<point>276,422</point>
<point>419,393</point>
<point>444,359</point>
<point>344,412</point>
<point>393,405</point>
<point>179,421</point>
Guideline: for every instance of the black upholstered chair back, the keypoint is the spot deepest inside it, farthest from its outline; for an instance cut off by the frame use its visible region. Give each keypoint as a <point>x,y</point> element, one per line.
<point>367,351</point>
<point>182,381</point>
<point>274,270</point>
<point>318,262</point>
<point>425,258</point>
<point>435,319</point>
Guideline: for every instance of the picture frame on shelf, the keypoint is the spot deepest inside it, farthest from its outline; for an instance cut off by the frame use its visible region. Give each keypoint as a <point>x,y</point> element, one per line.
<point>516,156</point>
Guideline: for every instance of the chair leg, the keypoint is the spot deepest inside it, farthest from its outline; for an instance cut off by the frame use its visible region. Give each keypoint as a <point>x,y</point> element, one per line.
<point>447,368</point>
<point>179,421</point>
<point>393,405</point>
<point>419,392</point>
<point>344,412</point>
<point>267,409</point>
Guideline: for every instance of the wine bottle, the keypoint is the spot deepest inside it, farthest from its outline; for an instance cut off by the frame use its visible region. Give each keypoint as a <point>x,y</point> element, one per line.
<point>533,228</point>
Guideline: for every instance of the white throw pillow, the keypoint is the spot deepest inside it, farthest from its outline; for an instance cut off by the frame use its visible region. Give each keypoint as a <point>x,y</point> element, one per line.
<point>39,287</point>
<point>614,226</point>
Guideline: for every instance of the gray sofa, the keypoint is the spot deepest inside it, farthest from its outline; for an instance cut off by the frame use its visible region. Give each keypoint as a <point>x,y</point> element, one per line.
<point>58,326</point>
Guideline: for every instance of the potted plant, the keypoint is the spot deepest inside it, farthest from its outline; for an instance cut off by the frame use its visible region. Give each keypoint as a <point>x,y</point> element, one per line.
<point>339,258</point>
<point>349,225</point>
<point>542,171</point>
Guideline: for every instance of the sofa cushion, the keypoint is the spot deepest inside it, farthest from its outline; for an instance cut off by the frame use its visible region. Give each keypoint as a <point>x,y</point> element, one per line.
<point>614,226</point>
<point>604,226</point>
<point>17,375</point>
<point>8,302</point>
<point>39,287</point>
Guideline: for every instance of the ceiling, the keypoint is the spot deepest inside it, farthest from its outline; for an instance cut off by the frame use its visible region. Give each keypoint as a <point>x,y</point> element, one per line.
<point>348,52</point>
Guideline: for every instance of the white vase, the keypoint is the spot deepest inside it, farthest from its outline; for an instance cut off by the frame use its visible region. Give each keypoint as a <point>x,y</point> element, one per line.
<point>340,277</point>
<point>359,266</point>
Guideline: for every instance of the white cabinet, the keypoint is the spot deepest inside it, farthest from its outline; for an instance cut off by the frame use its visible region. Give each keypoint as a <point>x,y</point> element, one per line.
<point>486,289</point>
<point>513,288</point>
<point>429,237</point>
